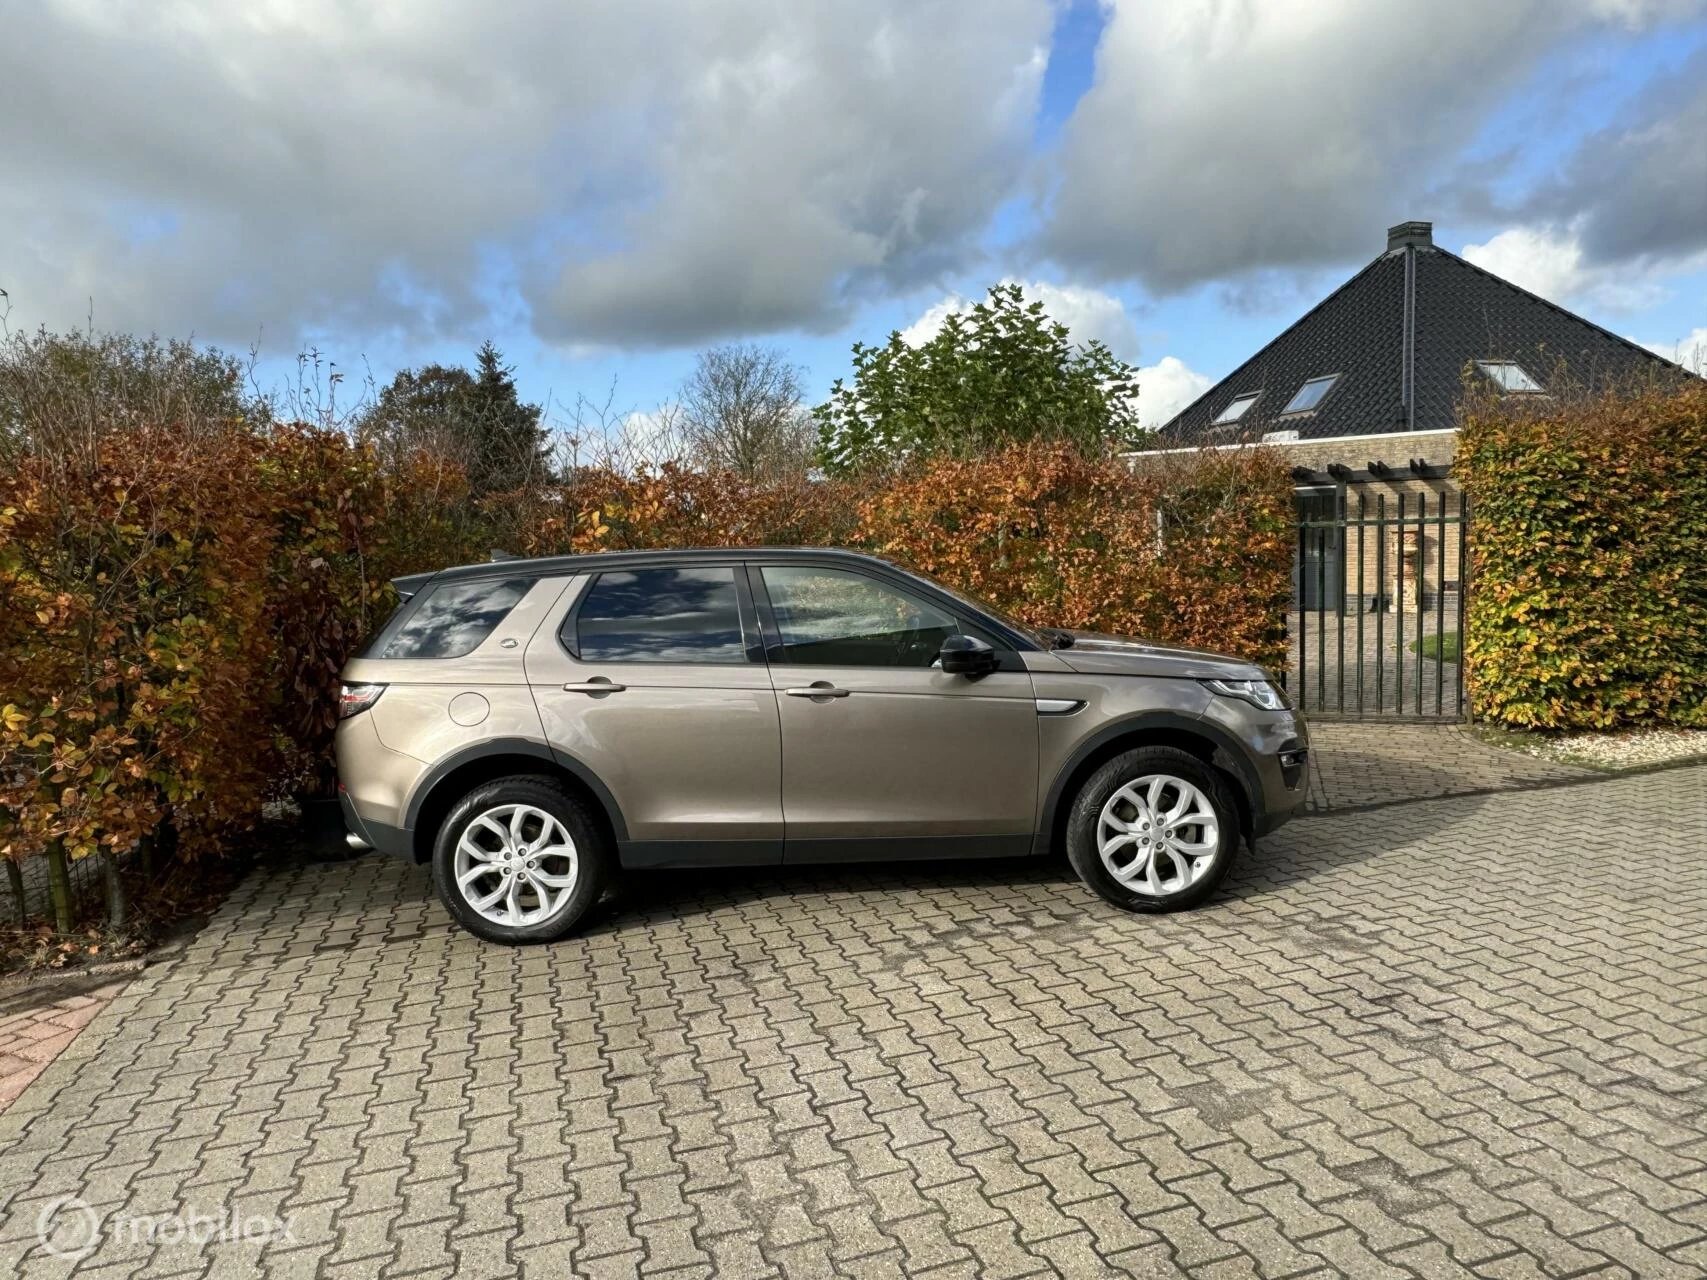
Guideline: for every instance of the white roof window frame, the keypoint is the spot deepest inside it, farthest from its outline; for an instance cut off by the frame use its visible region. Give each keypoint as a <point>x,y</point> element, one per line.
<point>1236,409</point>
<point>1327,381</point>
<point>1499,372</point>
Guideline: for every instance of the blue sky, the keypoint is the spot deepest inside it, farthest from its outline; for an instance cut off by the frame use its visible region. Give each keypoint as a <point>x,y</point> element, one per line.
<point>604,189</point>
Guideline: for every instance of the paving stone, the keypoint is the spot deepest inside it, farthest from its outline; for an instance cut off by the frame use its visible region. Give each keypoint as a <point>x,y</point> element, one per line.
<point>1431,1039</point>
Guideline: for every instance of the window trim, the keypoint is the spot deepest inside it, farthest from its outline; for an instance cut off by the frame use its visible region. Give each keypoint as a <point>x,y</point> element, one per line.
<point>752,639</point>
<point>1333,381</point>
<point>1007,658</point>
<point>1222,420</point>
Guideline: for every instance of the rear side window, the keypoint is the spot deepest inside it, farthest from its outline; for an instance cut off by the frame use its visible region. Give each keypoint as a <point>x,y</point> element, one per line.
<point>690,614</point>
<point>451,620</point>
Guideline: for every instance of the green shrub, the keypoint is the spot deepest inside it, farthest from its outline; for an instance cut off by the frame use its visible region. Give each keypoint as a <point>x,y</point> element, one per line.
<point>1588,536</point>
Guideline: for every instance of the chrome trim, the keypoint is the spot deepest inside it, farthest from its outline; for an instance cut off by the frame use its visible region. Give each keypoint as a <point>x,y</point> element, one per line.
<point>355,841</point>
<point>1059,706</point>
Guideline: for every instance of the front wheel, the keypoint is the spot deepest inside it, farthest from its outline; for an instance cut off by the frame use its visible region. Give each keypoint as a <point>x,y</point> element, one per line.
<point>519,860</point>
<point>1153,830</point>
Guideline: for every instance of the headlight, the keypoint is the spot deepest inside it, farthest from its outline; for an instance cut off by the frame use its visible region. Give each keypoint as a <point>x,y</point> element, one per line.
<point>1259,693</point>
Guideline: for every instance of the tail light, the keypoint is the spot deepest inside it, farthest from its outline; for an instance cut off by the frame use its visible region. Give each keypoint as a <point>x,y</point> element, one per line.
<point>353,699</point>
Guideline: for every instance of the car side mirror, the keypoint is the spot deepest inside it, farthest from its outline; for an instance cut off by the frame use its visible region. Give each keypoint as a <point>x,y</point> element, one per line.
<point>966,656</point>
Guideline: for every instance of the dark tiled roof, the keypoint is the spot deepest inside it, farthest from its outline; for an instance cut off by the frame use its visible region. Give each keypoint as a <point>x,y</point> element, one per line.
<point>1457,313</point>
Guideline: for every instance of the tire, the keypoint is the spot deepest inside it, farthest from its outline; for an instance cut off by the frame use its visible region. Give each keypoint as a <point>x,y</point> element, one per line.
<point>1150,881</point>
<point>563,880</point>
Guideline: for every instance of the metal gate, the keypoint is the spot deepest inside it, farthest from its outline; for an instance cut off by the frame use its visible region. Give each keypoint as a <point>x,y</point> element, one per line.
<point>1378,605</point>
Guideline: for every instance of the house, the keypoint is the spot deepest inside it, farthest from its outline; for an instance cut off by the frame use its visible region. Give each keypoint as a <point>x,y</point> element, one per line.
<point>1362,394</point>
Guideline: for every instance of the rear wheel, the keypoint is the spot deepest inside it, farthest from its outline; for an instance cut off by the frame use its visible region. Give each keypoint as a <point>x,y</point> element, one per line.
<point>1153,830</point>
<point>520,860</point>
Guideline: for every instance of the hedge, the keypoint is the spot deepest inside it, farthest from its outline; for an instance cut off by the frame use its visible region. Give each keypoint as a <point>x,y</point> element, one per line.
<point>1192,549</point>
<point>1588,541</point>
<point>178,594</point>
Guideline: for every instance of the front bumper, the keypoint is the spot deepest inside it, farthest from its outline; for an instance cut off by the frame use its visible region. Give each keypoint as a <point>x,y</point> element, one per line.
<point>1277,804</point>
<point>1283,775</point>
<point>1274,763</point>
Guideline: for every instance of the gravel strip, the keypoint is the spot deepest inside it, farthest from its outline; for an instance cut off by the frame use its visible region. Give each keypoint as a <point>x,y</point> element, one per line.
<point>1629,750</point>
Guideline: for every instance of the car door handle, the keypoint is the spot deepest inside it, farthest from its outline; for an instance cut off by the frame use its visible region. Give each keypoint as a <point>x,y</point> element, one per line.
<point>596,685</point>
<point>822,689</point>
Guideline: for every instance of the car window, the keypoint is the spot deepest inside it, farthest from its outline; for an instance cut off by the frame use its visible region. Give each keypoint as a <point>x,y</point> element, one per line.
<point>830,617</point>
<point>688,614</point>
<point>451,620</point>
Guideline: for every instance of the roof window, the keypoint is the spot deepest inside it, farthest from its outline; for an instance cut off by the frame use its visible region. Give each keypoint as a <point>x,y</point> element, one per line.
<point>1236,409</point>
<point>1310,394</point>
<point>1508,375</point>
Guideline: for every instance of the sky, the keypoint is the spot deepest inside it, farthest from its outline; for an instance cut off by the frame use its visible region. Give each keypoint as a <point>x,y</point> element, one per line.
<point>604,189</point>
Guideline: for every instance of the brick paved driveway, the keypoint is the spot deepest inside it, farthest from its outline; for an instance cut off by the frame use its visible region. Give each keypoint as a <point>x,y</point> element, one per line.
<point>1470,1036</point>
<point>1368,766</point>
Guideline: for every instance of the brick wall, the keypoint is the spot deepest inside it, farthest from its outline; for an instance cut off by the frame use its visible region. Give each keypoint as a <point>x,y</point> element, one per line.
<point>1396,449</point>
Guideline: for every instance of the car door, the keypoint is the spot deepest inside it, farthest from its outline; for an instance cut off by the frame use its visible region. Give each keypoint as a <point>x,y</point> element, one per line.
<point>655,681</point>
<point>883,754</point>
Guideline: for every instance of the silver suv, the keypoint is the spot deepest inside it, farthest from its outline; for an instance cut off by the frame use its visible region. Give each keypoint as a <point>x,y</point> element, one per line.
<point>528,726</point>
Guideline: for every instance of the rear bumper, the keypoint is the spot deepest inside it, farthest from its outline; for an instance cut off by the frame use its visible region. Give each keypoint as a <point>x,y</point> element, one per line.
<point>393,840</point>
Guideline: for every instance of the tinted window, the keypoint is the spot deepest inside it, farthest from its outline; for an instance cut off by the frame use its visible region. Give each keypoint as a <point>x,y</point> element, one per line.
<point>661,615</point>
<point>829,617</point>
<point>452,620</point>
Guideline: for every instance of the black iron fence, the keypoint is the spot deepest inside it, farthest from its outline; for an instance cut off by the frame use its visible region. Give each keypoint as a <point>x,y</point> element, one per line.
<point>1377,618</point>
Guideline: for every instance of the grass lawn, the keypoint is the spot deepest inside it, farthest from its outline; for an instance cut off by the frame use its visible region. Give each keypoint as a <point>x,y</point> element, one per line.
<point>1443,647</point>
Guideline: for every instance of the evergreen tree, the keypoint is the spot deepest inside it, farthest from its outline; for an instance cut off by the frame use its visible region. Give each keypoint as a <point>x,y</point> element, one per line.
<point>477,418</point>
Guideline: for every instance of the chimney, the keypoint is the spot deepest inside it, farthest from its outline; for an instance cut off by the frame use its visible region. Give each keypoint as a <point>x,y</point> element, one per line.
<point>1404,234</point>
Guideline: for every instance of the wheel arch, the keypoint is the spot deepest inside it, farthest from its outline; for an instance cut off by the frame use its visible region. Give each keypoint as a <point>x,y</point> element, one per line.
<point>1207,741</point>
<point>456,775</point>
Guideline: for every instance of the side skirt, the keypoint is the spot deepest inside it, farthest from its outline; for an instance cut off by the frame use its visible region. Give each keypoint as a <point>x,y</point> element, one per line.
<point>645,855</point>
<point>648,855</point>
<point>905,849</point>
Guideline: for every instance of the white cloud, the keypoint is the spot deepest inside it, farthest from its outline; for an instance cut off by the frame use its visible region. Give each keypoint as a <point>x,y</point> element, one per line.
<point>1226,137</point>
<point>1166,387</point>
<point>639,174</point>
<point>1690,351</point>
<point>928,325</point>
<point>648,438</point>
<point>1090,315</point>
<point>1551,261</point>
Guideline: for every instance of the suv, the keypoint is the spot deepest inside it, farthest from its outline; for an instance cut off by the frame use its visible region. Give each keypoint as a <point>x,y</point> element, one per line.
<point>529,726</point>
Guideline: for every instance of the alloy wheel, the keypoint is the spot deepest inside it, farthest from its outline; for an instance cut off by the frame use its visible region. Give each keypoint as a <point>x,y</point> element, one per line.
<point>1158,834</point>
<point>515,865</point>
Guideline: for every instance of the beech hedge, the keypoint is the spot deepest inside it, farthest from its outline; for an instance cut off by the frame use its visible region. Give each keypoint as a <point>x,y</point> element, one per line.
<point>178,592</point>
<point>1588,540</point>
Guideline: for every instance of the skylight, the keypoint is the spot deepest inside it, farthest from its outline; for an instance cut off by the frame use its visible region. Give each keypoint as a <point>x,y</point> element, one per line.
<point>1310,394</point>
<point>1236,410</point>
<point>1509,376</point>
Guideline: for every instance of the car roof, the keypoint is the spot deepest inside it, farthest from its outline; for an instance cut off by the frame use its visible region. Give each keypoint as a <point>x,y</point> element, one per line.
<point>548,566</point>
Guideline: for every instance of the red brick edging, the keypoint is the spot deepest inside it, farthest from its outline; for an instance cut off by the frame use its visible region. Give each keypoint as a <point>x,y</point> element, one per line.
<point>31,1039</point>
